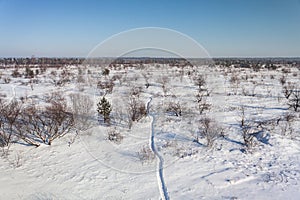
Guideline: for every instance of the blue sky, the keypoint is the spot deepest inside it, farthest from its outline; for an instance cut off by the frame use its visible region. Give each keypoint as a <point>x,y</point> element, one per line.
<point>226,28</point>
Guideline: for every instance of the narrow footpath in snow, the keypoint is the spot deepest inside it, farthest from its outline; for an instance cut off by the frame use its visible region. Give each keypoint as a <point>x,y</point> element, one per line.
<point>160,174</point>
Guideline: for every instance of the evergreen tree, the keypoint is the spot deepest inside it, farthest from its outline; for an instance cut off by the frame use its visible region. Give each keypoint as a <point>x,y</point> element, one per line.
<point>104,109</point>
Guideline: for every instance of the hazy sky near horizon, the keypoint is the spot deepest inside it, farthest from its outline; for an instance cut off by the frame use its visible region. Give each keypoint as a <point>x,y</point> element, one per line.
<point>225,28</point>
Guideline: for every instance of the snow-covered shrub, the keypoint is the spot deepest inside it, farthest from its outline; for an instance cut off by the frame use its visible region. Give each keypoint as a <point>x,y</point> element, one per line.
<point>234,82</point>
<point>136,109</point>
<point>249,91</point>
<point>146,77</point>
<point>114,136</point>
<point>174,108</point>
<point>117,77</point>
<point>135,91</point>
<point>6,80</point>
<point>295,74</point>
<point>29,73</point>
<point>200,82</point>
<point>80,79</point>
<point>209,130</point>
<point>146,154</point>
<point>286,70</point>
<point>285,124</point>
<point>105,72</point>
<point>282,80</point>
<point>106,85</point>
<point>164,81</point>
<point>182,152</point>
<point>81,109</point>
<point>16,74</point>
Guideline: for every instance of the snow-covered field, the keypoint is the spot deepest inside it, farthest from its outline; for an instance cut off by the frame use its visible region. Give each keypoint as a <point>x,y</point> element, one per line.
<point>165,154</point>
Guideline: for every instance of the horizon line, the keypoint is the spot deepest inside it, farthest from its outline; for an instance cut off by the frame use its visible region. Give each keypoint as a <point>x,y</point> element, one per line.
<point>153,57</point>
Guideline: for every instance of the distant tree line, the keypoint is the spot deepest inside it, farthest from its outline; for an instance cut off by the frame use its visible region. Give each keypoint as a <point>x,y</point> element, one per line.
<point>271,63</point>
<point>40,61</point>
<point>257,62</point>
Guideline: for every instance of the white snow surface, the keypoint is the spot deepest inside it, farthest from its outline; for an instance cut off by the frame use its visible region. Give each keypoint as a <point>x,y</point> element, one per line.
<point>92,167</point>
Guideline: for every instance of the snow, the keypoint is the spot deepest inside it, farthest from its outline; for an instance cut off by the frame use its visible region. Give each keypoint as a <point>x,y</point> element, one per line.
<point>89,166</point>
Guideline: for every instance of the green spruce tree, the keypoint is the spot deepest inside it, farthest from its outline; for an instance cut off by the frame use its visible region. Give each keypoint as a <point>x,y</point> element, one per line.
<point>104,109</point>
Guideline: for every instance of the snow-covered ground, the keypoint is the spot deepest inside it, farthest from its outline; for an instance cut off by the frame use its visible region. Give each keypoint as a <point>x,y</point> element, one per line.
<point>89,166</point>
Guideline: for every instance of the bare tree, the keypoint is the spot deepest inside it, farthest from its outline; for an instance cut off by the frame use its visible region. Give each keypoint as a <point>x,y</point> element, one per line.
<point>9,113</point>
<point>201,99</point>
<point>292,94</point>
<point>164,80</point>
<point>45,124</point>
<point>58,121</point>
<point>246,129</point>
<point>200,82</point>
<point>288,89</point>
<point>146,77</point>
<point>294,100</point>
<point>27,126</point>
<point>82,111</point>
<point>136,110</point>
<point>209,130</point>
<point>202,94</point>
<point>282,80</point>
